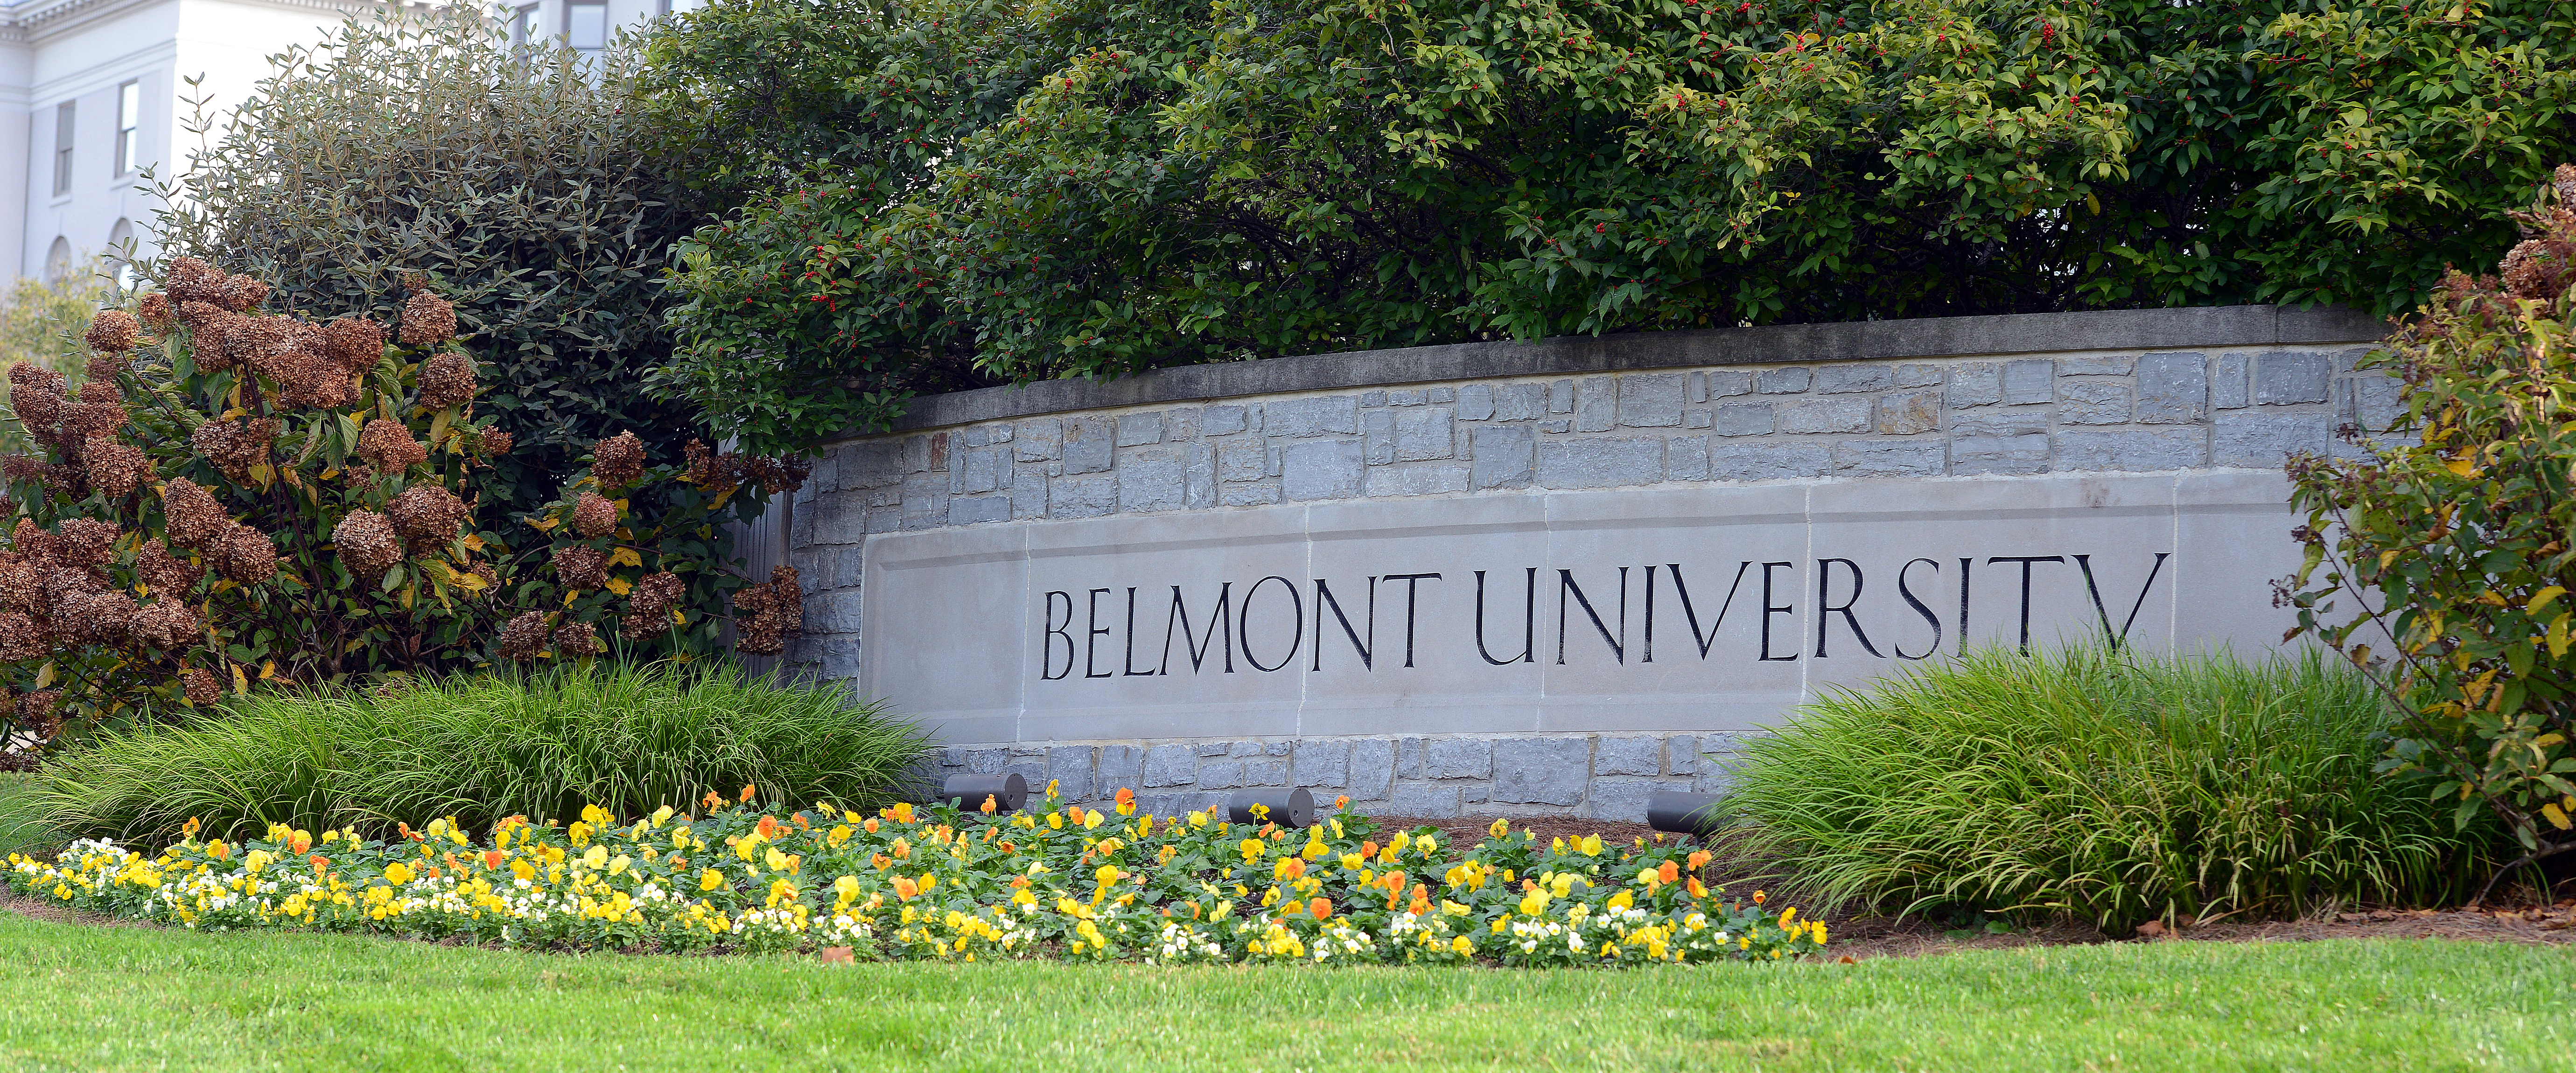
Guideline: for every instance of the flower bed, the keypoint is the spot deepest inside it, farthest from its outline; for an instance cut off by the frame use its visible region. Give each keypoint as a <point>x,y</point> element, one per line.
<point>1056,881</point>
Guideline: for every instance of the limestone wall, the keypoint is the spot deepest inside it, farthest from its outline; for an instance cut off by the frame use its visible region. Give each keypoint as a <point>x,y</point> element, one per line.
<point>2002,405</point>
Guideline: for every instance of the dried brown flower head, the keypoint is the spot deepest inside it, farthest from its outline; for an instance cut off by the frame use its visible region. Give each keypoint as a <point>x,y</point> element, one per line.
<point>114,331</point>
<point>617,461</point>
<point>648,608</point>
<point>22,587</point>
<point>427,320</point>
<point>87,541</point>
<point>104,369</point>
<point>367,544</point>
<point>446,380</point>
<point>163,573</point>
<point>21,639</point>
<point>194,516</point>
<point>116,468</point>
<point>492,443</point>
<point>101,416</point>
<point>389,445</point>
<point>33,544</point>
<point>777,476</point>
<point>166,624</point>
<point>192,279</point>
<point>354,343</point>
<point>245,556</point>
<point>428,513</point>
<point>94,617</point>
<point>210,331</point>
<point>577,639</point>
<point>199,686</point>
<point>766,615</point>
<point>709,470</point>
<point>37,708</point>
<point>155,311</point>
<point>524,637</point>
<point>235,448</point>
<point>593,516</point>
<point>28,468</point>
<point>36,396</point>
<point>581,566</point>
<point>243,292</point>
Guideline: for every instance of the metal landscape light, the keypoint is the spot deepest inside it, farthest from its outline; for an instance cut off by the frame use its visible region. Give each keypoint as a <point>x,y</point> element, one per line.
<point>968,792</point>
<point>1287,808</point>
<point>1681,813</point>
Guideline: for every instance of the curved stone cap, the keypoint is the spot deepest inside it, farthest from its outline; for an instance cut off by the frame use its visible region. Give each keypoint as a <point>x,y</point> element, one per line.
<point>1928,337</point>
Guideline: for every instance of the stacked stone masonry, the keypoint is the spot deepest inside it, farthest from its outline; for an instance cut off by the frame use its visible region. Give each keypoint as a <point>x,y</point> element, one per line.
<point>1609,776</point>
<point>2136,410</point>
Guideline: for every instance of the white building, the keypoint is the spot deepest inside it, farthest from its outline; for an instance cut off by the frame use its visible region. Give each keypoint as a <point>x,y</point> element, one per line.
<point>90,96</point>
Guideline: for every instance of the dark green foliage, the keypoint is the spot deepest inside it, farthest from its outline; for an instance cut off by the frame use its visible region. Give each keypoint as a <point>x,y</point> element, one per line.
<point>519,184</point>
<point>988,193</point>
<point>627,738</point>
<point>2101,785</point>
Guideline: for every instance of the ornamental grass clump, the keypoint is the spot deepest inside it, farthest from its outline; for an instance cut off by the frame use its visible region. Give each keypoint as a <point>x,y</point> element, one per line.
<point>2102,785</point>
<point>1058,881</point>
<point>631,738</point>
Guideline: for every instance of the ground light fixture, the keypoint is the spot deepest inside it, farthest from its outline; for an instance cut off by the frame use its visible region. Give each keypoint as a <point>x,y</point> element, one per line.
<point>1287,808</point>
<point>968,792</point>
<point>1681,813</point>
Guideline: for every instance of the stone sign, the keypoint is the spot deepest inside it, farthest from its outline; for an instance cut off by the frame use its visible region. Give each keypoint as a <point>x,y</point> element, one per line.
<point>1714,608</point>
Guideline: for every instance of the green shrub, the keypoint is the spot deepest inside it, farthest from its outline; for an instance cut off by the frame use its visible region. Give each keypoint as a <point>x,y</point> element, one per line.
<point>21,830</point>
<point>629,738</point>
<point>2103,785</point>
<point>2442,565</point>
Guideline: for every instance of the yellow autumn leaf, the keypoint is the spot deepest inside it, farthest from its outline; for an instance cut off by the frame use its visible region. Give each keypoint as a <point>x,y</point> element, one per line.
<point>2558,635</point>
<point>473,542</point>
<point>620,586</point>
<point>2557,816</point>
<point>2542,598</point>
<point>241,685</point>
<point>569,597</point>
<point>625,557</point>
<point>45,675</point>
<point>546,524</point>
<point>268,670</point>
<point>2462,467</point>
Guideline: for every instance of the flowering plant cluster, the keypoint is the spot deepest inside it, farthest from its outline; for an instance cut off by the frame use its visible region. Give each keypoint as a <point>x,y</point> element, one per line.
<point>236,495</point>
<point>1056,881</point>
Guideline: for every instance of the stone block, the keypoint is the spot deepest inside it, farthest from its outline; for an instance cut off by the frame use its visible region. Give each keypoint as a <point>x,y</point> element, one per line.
<point>1681,754</point>
<point>1651,400</point>
<point>1214,748</point>
<point>1377,437</point>
<point>1845,379</point>
<point>1198,470</point>
<point>1745,419</point>
<point>1541,771</point>
<point>1220,774</point>
<point>1181,424</point>
<point>1627,756</point>
<point>1171,765</point>
<point>1372,399</point>
<point>1789,381</point>
<point>1905,413</point>
<point>1278,748</point>
<point>1424,434</point>
<point>1321,469</point>
<point>2375,404</point>
<point>1306,418</point>
<point>1596,404</point>
<point>2093,401</point>
<point>1247,495</point>
<point>1918,376</point>
<point>1372,769</point>
<point>1440,396</point>
<point>925,501</point>
<point>1220,420</point>
<point>968,510</point>
<point>1242,460</point>
<point>1247,748</point>
<point>1560,397</point>
<point>1600,463</point>
<point>1686,458</point>
<point>1119,767</point>
<point>1070,768</point>
<point>1520,402</point>
<point>1975,383</point>
<point>2030,380</point>
<point>1891,458</point>
<point>1135,430</point>
<point>1268,771</point>
<point>1457,758</point>
<point>1321,763</point>
<point>987,761</point>
<point>1423,480</point>
<point>1768,461</point>
<point>2290,377</point>
<point>2228,387</point>
<point>1090,444</point>
<point>1506,456</point>
<point>1404,398</point>
<point>1810,416</point>
<point>2133,450</point>
<point>1088,496</point>
<point>1476,402</point>
<point>1150,480</point>
<point>2262,440</point>
<point>2173,389</point>
<point>1695,418</point>
<point>1723,383</point>
<point>1408,758</point>
<point>1425,800</point>
<point>1625,800</point>
<point>2097,365</point>
<point>982,470</point>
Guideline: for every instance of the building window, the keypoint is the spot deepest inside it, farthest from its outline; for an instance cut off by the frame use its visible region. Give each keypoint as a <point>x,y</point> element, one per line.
<point>63,116</point>
<point>129,126</point>
<point>58,260</point>
<point>524,33</point>
<point>681,7</point>
<point>586,27</point>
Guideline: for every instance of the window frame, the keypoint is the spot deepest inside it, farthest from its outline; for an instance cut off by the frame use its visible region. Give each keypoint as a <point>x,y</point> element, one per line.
<point>604,27</point>
<point>66,125</point>
<point>129,126</point>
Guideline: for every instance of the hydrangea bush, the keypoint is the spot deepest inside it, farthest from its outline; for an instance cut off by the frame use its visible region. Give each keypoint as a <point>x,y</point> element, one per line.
<point>1056,881</point>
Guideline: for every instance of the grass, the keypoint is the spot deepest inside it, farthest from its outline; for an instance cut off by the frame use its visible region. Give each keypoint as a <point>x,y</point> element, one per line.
<point>2103,785</point>
<point>126,998</point>
<point>628,738</point>
<point>21,831</point>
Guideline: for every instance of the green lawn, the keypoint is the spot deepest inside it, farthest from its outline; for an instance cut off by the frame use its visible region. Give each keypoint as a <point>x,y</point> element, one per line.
<point>127,998</point>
